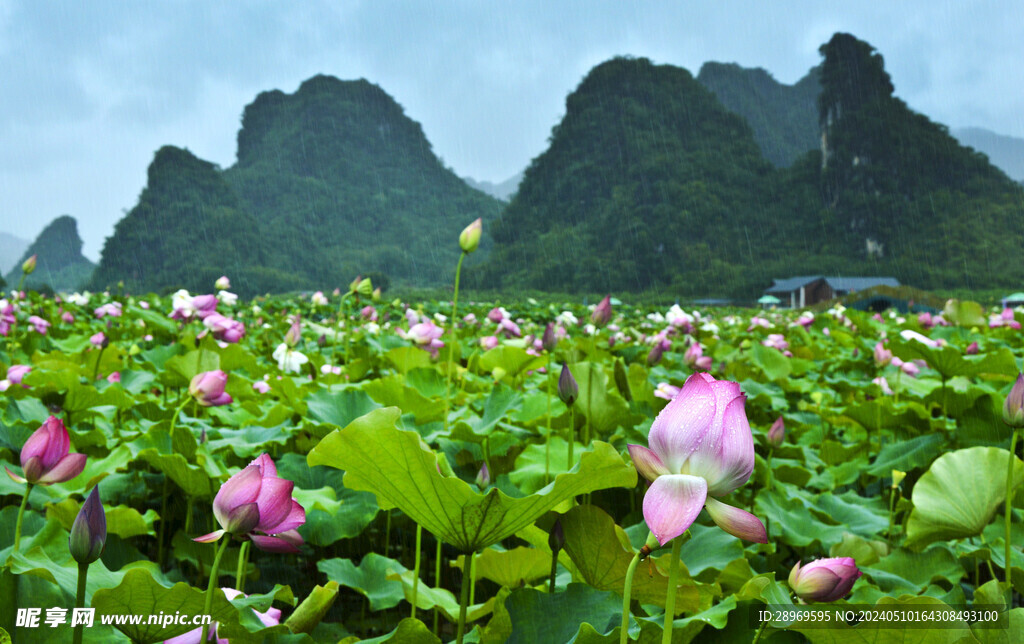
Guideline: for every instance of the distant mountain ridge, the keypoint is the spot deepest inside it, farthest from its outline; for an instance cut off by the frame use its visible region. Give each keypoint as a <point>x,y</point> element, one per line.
<point>11,248</point>
<point>330,182</point>
<point>650,182</point>
<point>59,260</point>
<point>503,191</point>
<point>1005,152</point>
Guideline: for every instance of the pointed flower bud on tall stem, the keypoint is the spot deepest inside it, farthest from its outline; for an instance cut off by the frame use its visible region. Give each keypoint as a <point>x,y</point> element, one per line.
<point>602,314</point>
<point>824,580</point>
<point>45,457</point>
<point>469,238</point>
<point>549,340</point>
<point>777,433</point>
<point>294,333</point>
<point>1013,408</point>
<point>29,265</point>
<point>89,531</point>
<point>568,390</point>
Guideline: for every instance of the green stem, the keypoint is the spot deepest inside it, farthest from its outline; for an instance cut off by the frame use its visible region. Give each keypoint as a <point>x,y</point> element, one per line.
<point>1009,512</point>
<point>177,412</point>
<point>83,573</point>
<point>21,513</point>
<point>243,561</point>
<point>467,575</point>
<point>554,571</point>
<point>387,535</point>
<point>760,630</point>
<point>96,369</point>
<point>627,594</point>
<point>769,466</point>
<point>452,322</point>
<point>212,586</point>
<point>572,434</point>
<point>472,580</point>
<point>416,570</point>
<point>892,507</point>
<point>437,581</point>
<point>670,599</point>
<point>188,513</point>
<point>163,524</point>
<point>547,447</point>
<point>590,405</point>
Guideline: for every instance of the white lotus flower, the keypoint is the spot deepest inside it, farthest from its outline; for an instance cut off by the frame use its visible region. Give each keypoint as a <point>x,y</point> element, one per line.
<point>288,360</point>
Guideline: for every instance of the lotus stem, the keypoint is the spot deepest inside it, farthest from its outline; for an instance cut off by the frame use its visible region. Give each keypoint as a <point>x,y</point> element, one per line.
<point>387,535</point>
<point>670,599</point>
<point>96,369</point>
<point>21,514</point>
<point>769,467</point>
<point>467,575</point>
<point>163,524</point>
<point>554,572</point>
<point>83,573</point>
<point>1009,514</point>
<point>892,507</point>
<point>212,586</point>
<point>472,579</point>
<point>243,560</point>
<point>627,594</point>
<point>451,344</point>
<point>572,434</point>
<point>437,582</point>
<point>416,569</point>
<point>547,447</point>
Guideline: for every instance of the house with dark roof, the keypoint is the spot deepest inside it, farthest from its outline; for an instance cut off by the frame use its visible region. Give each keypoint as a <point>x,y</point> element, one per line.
<point>804,291</point>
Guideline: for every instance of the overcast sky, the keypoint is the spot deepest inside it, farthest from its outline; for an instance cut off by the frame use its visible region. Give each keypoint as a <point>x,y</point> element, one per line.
<point>90,90</point>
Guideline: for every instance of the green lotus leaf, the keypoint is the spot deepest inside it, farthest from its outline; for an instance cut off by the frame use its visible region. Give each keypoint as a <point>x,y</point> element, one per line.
<point>959,494</point>
<point>402,471</point>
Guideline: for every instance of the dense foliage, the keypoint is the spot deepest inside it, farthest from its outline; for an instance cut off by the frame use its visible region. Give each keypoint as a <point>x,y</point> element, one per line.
<point>649,183</point>
<point>784,118</point>
<point>60,264</point>
<point>878,438</point>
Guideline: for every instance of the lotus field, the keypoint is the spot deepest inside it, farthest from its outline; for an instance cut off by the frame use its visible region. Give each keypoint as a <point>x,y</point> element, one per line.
<point>341,468</point>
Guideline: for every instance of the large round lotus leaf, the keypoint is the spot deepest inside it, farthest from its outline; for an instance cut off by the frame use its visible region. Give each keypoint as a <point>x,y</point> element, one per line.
<point>959,494</point>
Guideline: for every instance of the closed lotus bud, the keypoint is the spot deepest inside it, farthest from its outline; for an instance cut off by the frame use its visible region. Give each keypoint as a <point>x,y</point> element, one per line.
<point>45,457</point>
<point>897,478</point>
<point>602,314</point>
<point>972,349</point>
<point>294,333</point>
<point>568,390</point>
<point>556,538</point>
<point>29,265</point>
<point>549,341</point>
<point>208,388</point>
<point>777,433</point>
<point>469,238</point>
<point>376,294</point>
<point>89,532</point>
<point>654,357</point>
<point>1013,408</point>
<point>483,477</point>
<point>622,380</point>
<point>222,283</point>
<point>824,580</point>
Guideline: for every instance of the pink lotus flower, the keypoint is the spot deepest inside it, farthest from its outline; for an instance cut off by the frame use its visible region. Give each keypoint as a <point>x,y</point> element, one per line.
<point>883,384</point>
<point>602,314</point>
<point>270,618</point>
<point>776,341</point>
<point>224,328</point>
<point>294,333</point>
<point>777,432</point>
<point>114,377</point>
<point>882,355</point>
<point>972,349</point>
<point>806,319</point>
<point>222,283</point>
<point>509,328</point>
<point>257,503</point>
<point>426,335</point>
<point>925,320</point>
<point>39,324</point>
<point>113,309</point>
<point>67,317</point>
<point>204,305</point>
<point>666,391</point>
<point>44,457</point>
<point>261,386</point>
<point>701,448</point>
<point>7,318</point>
<point>489,342</point>
<point>824,580</point>
<point>496,315</point>
<point>98,339</point>
<point>208,388</point>
<point>757,321</point>
<point>369,313</point>
<point>16,372</point>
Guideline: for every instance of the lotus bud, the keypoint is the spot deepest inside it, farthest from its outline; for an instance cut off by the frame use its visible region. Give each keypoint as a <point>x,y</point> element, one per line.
<point>29,265</point>
<point>972,349</point>
<point>549,340</point>
<point>44,457</point>
<point>1013,408</point>
<point>469,238</point>
<point>602,314</point>
<point>483,477</point>
<point>294,333</point>
<point>654,357</point>
<point>622,380</point>
<point>897,478</point>
<point>99,340</point>
<point>556,538</point>
<point>777,433</point>
<point>824,580</point>
<point>882,355</point>
<point>568,390</point>
<point>364,287</point>
<point>89,532</point>
<point>222,283</point>
<point>208,388</point>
